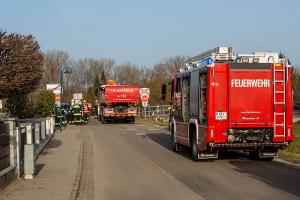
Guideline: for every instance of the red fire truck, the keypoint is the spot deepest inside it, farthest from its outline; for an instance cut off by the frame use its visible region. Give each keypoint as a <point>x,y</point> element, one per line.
<point>118,102</point>
<point>226,102</point>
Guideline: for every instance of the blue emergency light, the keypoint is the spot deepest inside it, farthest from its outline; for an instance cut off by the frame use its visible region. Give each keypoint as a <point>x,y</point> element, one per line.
<point>209,61</point>
<point>289,62</point>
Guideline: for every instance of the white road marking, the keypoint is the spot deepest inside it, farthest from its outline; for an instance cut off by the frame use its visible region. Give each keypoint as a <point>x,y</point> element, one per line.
<point>140,125</point>
<point>153,129</point>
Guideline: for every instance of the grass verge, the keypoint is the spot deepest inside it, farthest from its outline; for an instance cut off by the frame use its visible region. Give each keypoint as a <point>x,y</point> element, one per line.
<point>292,152</point>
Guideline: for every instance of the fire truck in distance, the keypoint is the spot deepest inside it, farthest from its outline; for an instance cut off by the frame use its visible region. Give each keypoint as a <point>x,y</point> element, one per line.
<point>118,102</point>
<point>225,102</point>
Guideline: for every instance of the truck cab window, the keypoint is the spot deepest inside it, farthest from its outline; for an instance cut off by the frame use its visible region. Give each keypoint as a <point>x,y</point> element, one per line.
<point>185,99</point>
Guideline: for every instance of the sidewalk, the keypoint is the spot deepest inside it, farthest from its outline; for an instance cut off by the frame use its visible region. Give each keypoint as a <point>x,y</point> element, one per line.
<point>56,170</point>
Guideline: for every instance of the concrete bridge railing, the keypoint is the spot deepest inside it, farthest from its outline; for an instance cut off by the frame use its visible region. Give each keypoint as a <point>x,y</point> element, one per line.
<point>28,138</point>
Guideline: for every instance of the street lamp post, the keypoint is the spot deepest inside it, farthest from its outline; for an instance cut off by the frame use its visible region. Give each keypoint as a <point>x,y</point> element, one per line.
<point>64,70</point>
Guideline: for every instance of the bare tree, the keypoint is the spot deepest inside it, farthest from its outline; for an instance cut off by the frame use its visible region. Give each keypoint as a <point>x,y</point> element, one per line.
<point>54,61</point>
<point>162,73</point>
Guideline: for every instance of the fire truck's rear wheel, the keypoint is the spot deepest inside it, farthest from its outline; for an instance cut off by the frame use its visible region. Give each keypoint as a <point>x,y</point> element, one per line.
<point>104,121</point>
<point>132,120</point>
<point>254,155</point>
<point>195,151</point>
<point>267,159</point>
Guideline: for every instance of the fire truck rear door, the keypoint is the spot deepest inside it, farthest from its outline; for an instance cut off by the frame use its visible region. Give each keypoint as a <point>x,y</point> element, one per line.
<point>250,95</point>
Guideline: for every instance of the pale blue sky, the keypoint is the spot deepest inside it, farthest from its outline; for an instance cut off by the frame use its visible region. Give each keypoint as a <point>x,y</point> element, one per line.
<point>144,32</point>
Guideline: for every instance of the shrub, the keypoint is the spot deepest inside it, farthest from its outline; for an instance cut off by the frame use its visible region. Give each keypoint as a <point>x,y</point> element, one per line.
<point>44,103</point>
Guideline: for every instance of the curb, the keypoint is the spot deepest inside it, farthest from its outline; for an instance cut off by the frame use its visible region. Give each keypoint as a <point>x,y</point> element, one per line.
<point>285,162</point>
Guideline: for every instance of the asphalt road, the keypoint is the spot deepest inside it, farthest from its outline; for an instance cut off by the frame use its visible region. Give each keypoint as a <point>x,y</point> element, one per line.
<point>135,161</point>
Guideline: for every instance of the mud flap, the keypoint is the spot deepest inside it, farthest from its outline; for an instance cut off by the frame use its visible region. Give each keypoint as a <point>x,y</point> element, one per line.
<point>208,155</point>
<point>268,154</point>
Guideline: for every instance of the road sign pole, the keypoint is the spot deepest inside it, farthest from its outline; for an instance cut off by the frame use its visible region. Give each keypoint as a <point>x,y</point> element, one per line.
<point>60,107</point>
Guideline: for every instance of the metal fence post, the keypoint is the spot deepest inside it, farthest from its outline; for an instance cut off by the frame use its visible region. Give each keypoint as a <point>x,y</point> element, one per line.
<point>29,133</point>
<point>51,126</point>
<point>18,143</point>
<point>47,127</point>
<point>29,158</point>
<point>37,133</point>
<point>29,161</point>
<point>43,129</point>
<point>12,134</point>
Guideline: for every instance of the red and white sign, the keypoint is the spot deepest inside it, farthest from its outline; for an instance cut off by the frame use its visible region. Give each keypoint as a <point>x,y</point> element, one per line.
<point>144,95</point>
<point>55,88</point>
<point>57,99</point>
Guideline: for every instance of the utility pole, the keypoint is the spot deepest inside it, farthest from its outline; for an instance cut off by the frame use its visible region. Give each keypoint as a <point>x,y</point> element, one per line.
<point>64,70</point>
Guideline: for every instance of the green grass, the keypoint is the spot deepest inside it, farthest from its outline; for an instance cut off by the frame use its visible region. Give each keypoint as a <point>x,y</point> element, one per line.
<point>163,123</point>
<point>294,147</point>
<point>292,152</point>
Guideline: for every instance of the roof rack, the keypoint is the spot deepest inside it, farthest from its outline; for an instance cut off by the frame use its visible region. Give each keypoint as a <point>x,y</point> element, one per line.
<point>216,54</point>
<point>260,57</point>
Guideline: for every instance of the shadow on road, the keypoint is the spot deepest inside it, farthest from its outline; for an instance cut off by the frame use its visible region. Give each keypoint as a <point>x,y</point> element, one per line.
<point>39,168</point>
<point>165,141</point>
<point>273,173</point>
<point>54,143</point>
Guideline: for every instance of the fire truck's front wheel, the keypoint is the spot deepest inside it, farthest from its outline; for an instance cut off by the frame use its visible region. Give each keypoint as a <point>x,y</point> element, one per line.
<point>194,149</point>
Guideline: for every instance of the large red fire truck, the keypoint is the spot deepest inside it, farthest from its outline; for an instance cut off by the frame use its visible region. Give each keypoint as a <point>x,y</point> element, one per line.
<point>226,102</point>
<point>118,102</point>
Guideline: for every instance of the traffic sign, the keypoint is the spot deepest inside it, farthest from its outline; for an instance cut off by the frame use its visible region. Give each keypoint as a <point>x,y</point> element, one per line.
<point>54,87</point>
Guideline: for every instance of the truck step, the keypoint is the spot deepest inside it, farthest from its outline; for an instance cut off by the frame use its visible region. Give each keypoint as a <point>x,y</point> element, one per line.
<point>279,124</point>
<point>279,113</point>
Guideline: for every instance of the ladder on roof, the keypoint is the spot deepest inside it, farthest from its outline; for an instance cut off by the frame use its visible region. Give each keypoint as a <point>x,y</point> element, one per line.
<point>202,55</point>
<point>279,78</point>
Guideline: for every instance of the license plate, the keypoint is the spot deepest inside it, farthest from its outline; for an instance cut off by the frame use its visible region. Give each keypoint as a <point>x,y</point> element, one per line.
<point>221,115</point>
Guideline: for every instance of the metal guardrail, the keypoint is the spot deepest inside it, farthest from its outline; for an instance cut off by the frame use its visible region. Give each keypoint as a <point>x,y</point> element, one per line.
<point>151,112</point>
<point>163,111</point>
<point>28,137</point>
<point>21,141</point>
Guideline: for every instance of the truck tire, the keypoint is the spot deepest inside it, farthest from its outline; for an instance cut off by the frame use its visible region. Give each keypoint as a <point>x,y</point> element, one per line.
<point>254,155</point>
<point>269,159</point>
<point>132,120</point>
<point>194,150</point>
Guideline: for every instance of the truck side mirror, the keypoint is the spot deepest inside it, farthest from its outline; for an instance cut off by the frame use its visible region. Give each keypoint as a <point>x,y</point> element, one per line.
<point>163,91</point>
